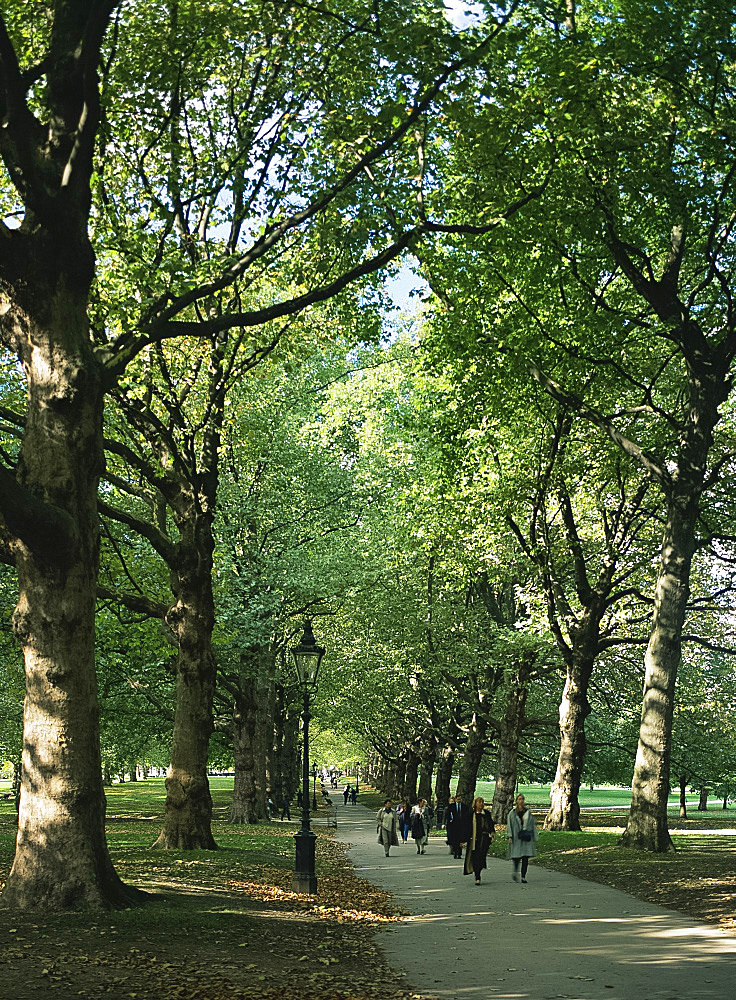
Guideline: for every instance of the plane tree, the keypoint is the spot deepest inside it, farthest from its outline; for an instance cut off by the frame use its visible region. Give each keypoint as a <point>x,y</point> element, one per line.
<point>59,126</point>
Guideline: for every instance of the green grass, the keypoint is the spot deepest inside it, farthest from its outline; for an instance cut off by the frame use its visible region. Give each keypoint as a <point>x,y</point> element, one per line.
<point>229,916</point>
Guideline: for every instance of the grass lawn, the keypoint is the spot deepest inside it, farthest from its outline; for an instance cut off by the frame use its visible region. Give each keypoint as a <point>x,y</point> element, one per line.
<point>219,925</point>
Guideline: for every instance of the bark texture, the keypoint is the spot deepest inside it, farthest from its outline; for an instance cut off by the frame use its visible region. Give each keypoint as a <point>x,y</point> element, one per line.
<point>475,747</point>
<point>647,823</point>
<point>564,810</point>
<point>244,805</point>
<point>509,735</point>
<point>445,765</point>
<point>188,816</point>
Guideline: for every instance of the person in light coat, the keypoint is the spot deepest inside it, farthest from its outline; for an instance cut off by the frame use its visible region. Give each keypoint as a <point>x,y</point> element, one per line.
<point>387,827</point>
<point>522,834</point>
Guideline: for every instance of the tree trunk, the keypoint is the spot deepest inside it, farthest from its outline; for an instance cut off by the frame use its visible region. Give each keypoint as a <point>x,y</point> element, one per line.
<point>244,808</point>
<point>411,774</point>
<point>564,810</point>
<point>683,798</point>
<point>424,791</point>
<point>61,858</point>
<point>703,799</point>
<point>508,742</point>
<point>472,755</point>
<point>188,817</point>
<point>445,765</point>
<point>261,744</point>
<point>647,824</point>
<point>290,755</point>
<point>133,771</point>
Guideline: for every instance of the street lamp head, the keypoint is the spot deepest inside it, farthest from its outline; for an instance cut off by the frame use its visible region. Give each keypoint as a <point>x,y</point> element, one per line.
<point>307,658</point>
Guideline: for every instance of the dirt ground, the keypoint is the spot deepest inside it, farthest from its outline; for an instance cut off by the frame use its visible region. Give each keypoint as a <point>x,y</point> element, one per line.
<point>249,938</point>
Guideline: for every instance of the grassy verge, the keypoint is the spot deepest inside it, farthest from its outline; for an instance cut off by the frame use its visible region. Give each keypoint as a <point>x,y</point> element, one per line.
<point>219,925</point>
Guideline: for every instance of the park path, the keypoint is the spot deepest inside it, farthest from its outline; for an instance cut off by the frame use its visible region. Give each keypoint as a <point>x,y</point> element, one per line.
<point>557,938</point>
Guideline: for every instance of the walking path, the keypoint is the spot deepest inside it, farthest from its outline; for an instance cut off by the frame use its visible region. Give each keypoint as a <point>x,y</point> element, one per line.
<point>557,938</point>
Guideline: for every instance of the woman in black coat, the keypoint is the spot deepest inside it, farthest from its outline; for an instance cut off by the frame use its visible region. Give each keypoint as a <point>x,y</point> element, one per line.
<point>480,832</point>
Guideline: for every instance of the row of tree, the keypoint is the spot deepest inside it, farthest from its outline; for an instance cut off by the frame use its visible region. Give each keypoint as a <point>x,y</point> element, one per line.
<point>194,240</point>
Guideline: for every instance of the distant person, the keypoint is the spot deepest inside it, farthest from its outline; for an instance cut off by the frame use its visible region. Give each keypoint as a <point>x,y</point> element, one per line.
<point>354,796</point>
<point>387,827</point>
<point>419,822</point>
<point>345,794</point>
<point>522,834</point>
<point>300,799</point>
<point>480,833</point>
<point>405,820</point>
<point>270,807</point>
<point>457,818</point>
<point>285,808</point>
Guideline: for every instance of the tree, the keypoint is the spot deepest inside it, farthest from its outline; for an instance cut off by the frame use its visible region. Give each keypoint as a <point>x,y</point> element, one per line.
<point>51,110</point>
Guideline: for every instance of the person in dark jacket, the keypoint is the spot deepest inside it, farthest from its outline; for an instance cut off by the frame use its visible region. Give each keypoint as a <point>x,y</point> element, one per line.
<point>479,832</point>
<point>345,794</point>
<point>457,819</point>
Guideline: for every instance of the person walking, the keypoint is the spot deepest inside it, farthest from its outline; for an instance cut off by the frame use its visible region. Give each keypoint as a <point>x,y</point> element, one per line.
<point>345,794</point>
<point>354,795</point>
<point>419,822</point>
<point>457,821</point>
<point>404,820</point>
<point>387,827</point>
<point>480,833</point>
<point>285,808</point>
<point>522,834</point>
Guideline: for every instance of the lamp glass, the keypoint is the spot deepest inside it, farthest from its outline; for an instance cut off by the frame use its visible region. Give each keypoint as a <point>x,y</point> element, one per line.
<point>307,657</point>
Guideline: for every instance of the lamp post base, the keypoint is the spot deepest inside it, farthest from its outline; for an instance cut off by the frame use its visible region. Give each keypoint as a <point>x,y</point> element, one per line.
<point>304,879</point>
<point>304,882</point>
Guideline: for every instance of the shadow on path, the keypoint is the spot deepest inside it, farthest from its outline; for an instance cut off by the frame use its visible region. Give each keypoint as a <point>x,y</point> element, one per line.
<point>557,938</point>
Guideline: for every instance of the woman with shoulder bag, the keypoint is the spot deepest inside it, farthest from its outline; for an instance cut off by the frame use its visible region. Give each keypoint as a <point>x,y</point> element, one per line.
<point>480,833</point>
<point>522,833</point>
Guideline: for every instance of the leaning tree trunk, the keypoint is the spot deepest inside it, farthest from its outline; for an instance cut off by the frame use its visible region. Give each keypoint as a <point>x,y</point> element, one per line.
<point>472,756</point>
<point>564,810</point>
<point>646,828</point>
<point>508,742</point>
<point>188,816</point>
<point>61,858</point>
<point>244,806</point>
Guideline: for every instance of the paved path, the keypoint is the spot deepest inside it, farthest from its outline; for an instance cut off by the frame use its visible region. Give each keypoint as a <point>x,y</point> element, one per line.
<point>557,937</point>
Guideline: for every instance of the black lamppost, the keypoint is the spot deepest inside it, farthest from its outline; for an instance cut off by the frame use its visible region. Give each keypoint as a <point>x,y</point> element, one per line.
<point>357,775</point>
<point>307,658</point>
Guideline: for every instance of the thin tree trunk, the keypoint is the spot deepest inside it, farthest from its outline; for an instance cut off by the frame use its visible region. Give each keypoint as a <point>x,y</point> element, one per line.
<point>445,765</point>
<point>508,742</point>
<point>411,774</point>
<point>703,799</point>
<point>424,791</point>
<point>472,755</point>
<point>244,807</point>
<point>188,816</point>
<point>683,798</point>
<point>564,810</point>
